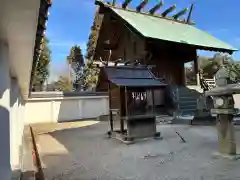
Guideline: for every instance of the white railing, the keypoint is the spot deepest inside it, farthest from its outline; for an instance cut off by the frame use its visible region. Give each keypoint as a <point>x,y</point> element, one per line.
<point>211,83</point>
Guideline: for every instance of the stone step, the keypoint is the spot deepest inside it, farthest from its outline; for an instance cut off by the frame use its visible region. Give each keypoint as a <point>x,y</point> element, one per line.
<point>187,103</point>
<point>187,90</point>
<point>187,119</point>
<point>187,98</point>
<point>188,113</point>
<point>189,106</point>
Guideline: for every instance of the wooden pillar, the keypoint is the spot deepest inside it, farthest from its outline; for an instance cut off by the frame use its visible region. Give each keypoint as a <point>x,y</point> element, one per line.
<point>183,74</point>
<point>184,82</point>
<point>126,109</point>
<point>110,106</point>
<point>153,102</point>
<point>196,70</point>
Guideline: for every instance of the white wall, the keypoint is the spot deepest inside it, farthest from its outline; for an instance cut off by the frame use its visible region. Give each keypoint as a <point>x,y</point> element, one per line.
<point>59,109</point>
<point>11,117</point>
<point>16,123</point>
<point>5,167</point>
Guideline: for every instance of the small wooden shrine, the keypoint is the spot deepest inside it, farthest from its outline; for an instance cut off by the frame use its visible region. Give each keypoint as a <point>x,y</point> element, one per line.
<point>131,100</point>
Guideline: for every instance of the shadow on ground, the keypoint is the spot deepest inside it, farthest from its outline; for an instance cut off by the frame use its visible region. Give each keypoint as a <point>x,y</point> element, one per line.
<point>86,153</point>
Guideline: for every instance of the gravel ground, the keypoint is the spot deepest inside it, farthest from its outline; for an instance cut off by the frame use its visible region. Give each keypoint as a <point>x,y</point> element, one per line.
<point>85,153</point>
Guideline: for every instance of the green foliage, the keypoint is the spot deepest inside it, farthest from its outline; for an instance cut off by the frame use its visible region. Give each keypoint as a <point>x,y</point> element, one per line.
<point>190,76</point>
<point>63,84</point>
<point>91,44</point>
<point>41,73</point>
<point>90,75</point>
<point>233,72</point>
<point>75,57</point>
<point>93,37</point>
<point>76,60</point>
<point>209,66</point>
<point>90,71</point>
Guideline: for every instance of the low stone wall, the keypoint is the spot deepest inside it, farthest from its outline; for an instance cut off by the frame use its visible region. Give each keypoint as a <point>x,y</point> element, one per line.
<point>53,107</point>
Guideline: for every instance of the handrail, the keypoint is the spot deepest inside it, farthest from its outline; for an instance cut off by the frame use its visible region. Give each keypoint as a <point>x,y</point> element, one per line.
<point>176,100</point>
<point>206,84</point>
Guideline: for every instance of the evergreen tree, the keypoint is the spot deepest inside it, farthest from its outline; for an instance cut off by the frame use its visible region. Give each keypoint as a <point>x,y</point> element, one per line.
<point>92,40</point>
<point>90,75</point>
<point>209,66</point>
<point>63,84</point>
<point>42,70</point>
<point>233,69</point>
<point>76,62</point>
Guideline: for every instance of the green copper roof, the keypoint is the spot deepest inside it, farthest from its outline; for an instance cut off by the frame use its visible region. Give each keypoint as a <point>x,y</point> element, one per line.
<point>160,28</point>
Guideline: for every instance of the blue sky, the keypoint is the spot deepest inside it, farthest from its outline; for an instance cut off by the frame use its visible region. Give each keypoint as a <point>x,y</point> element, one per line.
<point>70,21</point>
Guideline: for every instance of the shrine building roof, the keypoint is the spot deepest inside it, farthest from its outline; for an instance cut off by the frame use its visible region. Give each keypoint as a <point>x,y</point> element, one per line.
<point>165,28</point>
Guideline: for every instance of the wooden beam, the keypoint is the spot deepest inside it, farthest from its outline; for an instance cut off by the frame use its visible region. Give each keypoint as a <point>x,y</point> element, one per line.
<point>170,9</point>
<point>110,107</point>
<point>180,13</point>
<point>126,3</point>
<point>190,13</point>
<point>141,5</point>
<point>156,7</point>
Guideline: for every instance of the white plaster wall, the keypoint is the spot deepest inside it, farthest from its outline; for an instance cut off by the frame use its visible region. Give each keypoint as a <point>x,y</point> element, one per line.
<point>67,110</point>
<point>11,117</point>
<point>16,123</point>
<point>38,111</point>
<point>5,167</point>
<point>42,110</point>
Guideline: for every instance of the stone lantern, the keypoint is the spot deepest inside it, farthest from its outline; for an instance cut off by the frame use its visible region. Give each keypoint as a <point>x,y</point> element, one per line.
<point>224,109</point>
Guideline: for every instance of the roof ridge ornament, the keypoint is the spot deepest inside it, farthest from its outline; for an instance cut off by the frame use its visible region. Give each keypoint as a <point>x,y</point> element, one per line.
<point>141,5</point>
<point>180,13</point>
<point>151,12</point>
<point>190,13</point>
<point>170,9</point>
<point>156,7</point>
<point>126,3</point>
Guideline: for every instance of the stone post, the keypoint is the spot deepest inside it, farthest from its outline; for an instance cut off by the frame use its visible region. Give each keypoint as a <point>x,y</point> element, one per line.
<point>226,137</point>
<point>224,108</point>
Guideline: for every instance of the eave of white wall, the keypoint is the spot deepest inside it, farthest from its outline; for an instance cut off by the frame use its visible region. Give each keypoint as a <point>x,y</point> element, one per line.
<point>18,26</point>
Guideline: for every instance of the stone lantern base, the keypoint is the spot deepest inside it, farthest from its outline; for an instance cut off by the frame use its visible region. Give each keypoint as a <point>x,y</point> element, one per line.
<point>226,137</point>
